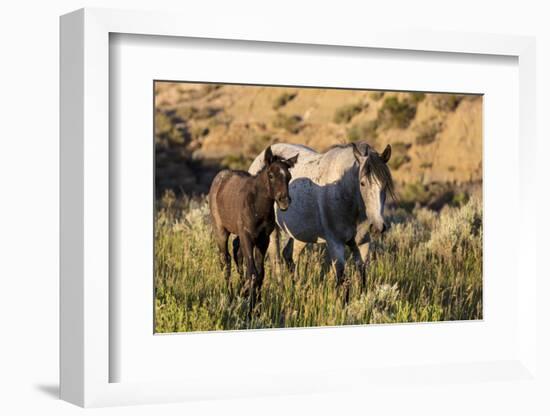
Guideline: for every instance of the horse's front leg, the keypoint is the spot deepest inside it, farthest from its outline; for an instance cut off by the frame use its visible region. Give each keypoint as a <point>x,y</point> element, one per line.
<point>337,253</point>
<point>291,254</point>
<point>358,260</point>
<point>275,251</point>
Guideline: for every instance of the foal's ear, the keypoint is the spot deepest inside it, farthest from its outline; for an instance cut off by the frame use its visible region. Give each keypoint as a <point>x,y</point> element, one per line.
<point>292,161</point>
<point>268,156</point>
<point>386,154</point>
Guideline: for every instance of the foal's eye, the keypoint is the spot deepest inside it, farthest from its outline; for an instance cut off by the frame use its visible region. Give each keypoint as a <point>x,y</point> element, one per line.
<point>363,183</point>
<point>270,176</point>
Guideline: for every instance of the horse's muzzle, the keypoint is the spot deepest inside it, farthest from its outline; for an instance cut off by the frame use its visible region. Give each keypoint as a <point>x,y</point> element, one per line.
<point>283,203</point>
<point>378,229</point>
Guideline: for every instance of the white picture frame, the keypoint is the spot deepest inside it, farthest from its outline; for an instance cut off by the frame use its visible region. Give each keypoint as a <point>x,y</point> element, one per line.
<point>85,354</point>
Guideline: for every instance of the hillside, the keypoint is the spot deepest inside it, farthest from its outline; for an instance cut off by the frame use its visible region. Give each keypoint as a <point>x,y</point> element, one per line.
<point>199,128</point>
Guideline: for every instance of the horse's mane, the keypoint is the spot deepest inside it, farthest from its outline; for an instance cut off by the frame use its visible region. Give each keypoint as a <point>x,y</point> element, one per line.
<point>375,166</point>
<point>240,172</point>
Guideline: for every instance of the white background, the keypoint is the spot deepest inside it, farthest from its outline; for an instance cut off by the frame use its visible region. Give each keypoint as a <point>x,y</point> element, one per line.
<point>136,61</point>
<point>29,209</point>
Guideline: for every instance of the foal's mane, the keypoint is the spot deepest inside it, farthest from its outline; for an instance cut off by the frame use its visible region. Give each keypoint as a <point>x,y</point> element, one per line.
<point>275,160</point>
<point>374,168</point>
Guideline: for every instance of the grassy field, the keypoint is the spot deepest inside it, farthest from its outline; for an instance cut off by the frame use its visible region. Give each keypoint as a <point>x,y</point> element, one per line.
<point>428,267</point>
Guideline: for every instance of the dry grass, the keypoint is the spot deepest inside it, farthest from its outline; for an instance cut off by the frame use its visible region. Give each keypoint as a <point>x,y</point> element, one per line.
<point>428,267</point>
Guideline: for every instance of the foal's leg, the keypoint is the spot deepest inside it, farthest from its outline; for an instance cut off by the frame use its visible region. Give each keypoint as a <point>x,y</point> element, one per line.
<point>221,236</point>
<point>358,260</point>
<point>247,248</point>
<point>238,256</point>
<point>261,248</point>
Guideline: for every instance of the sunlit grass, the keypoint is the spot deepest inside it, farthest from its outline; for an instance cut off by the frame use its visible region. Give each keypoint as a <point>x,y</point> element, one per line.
<point>428,267</point>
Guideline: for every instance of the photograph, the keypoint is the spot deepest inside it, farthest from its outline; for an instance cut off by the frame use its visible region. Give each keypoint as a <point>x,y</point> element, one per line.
<point>306,206</point>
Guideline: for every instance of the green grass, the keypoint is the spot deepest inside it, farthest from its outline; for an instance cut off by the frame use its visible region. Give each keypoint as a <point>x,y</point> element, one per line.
<point>428,267</point>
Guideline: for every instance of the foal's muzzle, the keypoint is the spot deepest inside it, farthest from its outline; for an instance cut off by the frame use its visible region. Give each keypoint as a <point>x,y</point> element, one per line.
<point>283,203</point>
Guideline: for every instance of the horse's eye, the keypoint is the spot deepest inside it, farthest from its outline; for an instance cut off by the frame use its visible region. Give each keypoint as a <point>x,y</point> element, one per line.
<point>270,176</point>
<point>363,183</point>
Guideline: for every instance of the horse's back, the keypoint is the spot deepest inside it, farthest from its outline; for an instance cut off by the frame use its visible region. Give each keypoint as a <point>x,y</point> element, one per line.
<point>301,220</point>
<point>285,151</point>
<point>318,181</point>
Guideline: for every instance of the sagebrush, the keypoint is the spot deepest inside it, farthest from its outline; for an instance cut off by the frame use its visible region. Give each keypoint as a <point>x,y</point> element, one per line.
<point>427,267</point>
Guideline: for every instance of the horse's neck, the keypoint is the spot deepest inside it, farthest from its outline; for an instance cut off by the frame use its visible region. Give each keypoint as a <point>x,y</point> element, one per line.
<point>349,192</point>
<point>263,202</point>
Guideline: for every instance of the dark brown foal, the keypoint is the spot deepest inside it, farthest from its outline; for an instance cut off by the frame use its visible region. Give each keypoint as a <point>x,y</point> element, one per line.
<point>242,204</point>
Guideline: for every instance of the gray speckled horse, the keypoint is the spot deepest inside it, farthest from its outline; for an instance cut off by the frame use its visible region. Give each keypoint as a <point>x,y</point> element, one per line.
<point>338,199</point>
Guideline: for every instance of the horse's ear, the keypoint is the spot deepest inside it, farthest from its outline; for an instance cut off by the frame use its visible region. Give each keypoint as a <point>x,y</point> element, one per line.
<point>386,154</point>
<point>268,156</point>
<point>357,153</point>
<point>292,161</point>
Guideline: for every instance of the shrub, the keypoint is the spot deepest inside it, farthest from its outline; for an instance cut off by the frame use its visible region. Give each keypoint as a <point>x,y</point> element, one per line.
<point>446,102</point>
<point>457,232</point>
<point>283,100</point>
<point>398,160</point>
<point>417,96</point>
<point>292,124</point>
<point>363,131</point>
<point>399,155</point>
<point>400,147</point>
<point>345,113</point>
<point>199,131</point>
<point>166,130</point>
<point>376,95</point>
<point>413,193</point>
<point>237,162</point>
<point>258,143</point>
<point>427,132</point>
<point>191,112</point>
<point>208,88</point>
<point>428,267</point>
<point>460,199</point>
<point>396,113</point>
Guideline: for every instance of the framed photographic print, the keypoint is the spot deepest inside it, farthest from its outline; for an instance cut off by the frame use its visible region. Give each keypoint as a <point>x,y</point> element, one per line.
<point>246,215</point>
<point>310,176</point>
